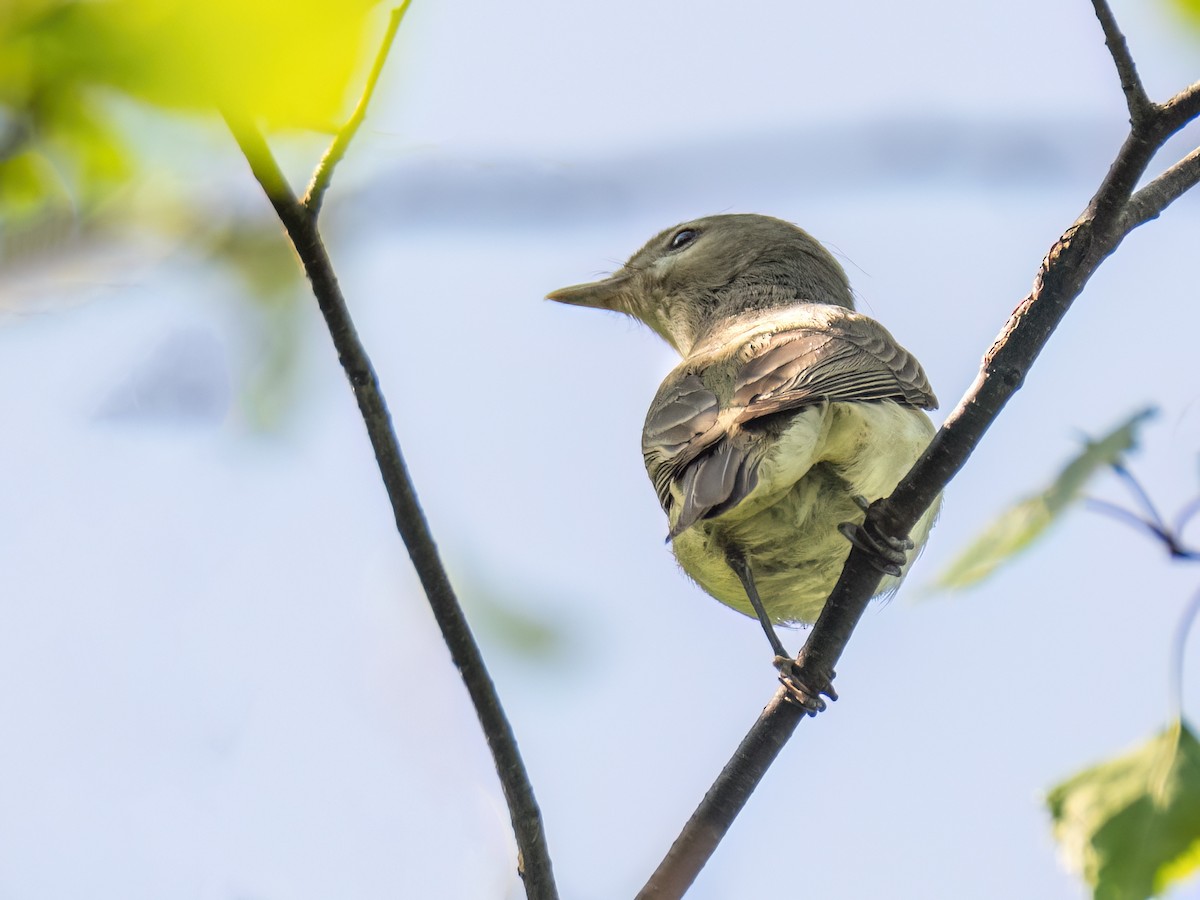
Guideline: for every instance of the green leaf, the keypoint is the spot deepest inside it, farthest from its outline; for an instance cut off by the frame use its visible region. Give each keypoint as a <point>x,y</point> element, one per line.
<point>64,63</point>
<point>527,635</point>
<point>512,618</point>
<point>1018,527</point>
<point>1189,10</point>
<point>288,62</point>
<point>1130,827</point>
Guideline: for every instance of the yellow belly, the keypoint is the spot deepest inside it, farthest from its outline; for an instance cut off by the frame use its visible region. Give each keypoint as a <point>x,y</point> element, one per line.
<point>787,528</point>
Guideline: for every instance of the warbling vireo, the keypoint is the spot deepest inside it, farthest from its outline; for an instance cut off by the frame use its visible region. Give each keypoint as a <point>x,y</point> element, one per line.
<point>789,413</point>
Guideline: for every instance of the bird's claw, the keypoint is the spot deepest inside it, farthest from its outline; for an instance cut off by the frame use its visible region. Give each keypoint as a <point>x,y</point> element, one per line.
<point>804,689</point>
<point>886,553</point>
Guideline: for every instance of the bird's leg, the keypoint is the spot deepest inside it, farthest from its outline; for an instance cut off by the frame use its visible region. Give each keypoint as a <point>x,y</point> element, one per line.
<point>797,691</point>
<point>886,553</point>
<point>741,569</point>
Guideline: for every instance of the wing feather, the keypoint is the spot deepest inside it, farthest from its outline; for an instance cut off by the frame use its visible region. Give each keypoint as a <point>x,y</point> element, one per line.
<point>700,444</point>
<point>853,360</point>
<point>717,481</point>
<point>682,424</point>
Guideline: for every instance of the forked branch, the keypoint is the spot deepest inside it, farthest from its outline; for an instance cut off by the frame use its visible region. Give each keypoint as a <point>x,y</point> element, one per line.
<point>299,218</point>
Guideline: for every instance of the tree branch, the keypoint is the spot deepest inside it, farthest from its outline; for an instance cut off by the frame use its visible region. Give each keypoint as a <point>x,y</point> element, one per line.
<point>1149,202</point>
<point>300,221</point>
<point>1139,103</point>
<point>323,174</point>
<point>1183,107</point>
<point>1109,217</point>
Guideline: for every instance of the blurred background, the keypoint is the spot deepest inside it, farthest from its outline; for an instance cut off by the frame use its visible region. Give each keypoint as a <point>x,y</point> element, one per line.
<point>218,676</point>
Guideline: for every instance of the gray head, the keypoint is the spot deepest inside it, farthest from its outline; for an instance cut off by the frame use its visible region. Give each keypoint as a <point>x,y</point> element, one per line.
<point>691,278</point>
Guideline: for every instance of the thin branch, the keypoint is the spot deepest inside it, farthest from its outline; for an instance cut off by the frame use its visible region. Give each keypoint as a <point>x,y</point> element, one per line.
<point>1170,538</point>
<point>1185,516</point>
<point>724,800</point>
<point>1121,514</point>
<point>1179,652</point>
<point>1136,98</point>
<point>1149,202</point>
<point>1182,108</point>
<point>1140,495</point>
<point>534,860</point>
<point>323,174</point>
<point>730,792</point>
<point>1064,272</point>
<point>1173,542</point>
<point>1146,138</point>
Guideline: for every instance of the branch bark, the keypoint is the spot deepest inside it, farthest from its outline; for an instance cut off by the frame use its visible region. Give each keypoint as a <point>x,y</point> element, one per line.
<point>1113,212</point>
<point>1136,99</point>
<point>299,219</point>
<point>1149,202</point>
<point>323,174</point>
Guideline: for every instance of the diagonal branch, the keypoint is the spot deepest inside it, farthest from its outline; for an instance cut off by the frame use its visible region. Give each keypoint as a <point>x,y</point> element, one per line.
<point>1149,202</point>
<point>299,219</point>
<point>1183,107</point>
<point>1121,514</point>
<point>410,520</point>
<point>1140,495</point>
<point>1073,259</point>
<point>323,174</point>
<point>1136,98</point>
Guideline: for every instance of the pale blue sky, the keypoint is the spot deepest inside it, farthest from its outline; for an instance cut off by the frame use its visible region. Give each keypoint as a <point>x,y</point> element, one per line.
<point>220,680</point>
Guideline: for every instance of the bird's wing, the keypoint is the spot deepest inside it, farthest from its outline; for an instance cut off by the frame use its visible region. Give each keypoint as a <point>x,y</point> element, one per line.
<point>852,359</point>
<point>681,425</point>
<point>709,450</point>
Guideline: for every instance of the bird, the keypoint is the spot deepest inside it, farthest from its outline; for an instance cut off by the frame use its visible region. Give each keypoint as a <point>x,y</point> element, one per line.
<point>789,414</point>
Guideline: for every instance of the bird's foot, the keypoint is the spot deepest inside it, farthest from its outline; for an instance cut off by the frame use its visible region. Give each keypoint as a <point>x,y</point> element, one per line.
<point>804,689</point>
<point>886,553</point>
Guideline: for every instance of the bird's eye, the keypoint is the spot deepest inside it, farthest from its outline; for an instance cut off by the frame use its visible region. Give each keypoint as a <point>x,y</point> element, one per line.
<point>682,238</point>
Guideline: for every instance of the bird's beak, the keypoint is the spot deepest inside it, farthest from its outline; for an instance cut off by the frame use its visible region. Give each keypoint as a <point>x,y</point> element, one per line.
<point>607,294</point>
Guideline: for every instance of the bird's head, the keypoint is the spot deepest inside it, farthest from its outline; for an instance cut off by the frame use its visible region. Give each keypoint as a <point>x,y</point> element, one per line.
<point>688,279</point>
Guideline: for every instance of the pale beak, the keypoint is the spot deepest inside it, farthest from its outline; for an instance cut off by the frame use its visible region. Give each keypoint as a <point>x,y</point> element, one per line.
<point>607,294</point>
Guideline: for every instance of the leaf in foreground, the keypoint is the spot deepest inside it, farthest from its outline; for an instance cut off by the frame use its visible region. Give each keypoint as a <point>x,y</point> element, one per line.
<point>1130,827</point>
<point>1189,10</point>
<point>63,63</point>
<point>1018,527</point>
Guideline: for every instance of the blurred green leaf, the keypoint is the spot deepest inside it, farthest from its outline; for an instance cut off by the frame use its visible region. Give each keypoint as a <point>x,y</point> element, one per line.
<point>270,387</point>
<point>1189,9</point>
<point>286,62</point>
<point>1018,527</point>
<point>252,248</point>
<point>1130,827</point>
<point>516,618</point>
<point>283,63</point>
<point>526,635</point>
<point>273,320</point>
<point>27,182</point>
